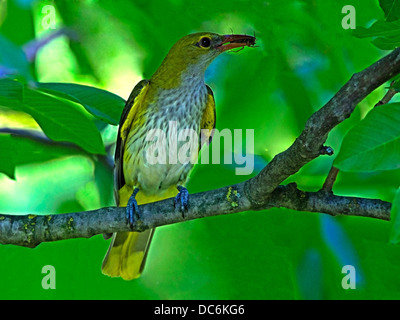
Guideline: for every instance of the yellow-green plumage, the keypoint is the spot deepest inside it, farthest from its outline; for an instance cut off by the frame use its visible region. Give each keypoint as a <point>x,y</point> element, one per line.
<point>176,92</point>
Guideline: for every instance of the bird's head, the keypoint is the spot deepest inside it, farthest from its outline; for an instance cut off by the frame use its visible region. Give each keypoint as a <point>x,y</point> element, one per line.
<point>192,54</point>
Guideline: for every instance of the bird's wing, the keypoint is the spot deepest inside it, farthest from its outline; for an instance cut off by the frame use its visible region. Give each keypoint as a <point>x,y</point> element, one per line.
<point>208,119</point>
<point>128,117</point>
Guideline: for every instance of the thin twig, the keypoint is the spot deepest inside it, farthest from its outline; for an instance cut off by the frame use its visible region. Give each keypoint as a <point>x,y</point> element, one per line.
<point>388,96</point>
<point>330,179</point>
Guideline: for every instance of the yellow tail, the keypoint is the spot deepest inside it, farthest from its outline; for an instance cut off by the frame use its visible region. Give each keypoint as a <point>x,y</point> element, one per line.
<point>127,253</point>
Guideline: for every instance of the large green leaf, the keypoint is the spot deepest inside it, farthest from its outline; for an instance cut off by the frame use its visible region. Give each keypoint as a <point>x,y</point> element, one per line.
<point>60,119</point>
<point>374,143</point>
<point>102,104</point>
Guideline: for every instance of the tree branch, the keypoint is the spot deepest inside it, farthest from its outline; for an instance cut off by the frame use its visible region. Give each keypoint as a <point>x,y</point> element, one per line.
<point>260,192</point>
<point>31,230</point>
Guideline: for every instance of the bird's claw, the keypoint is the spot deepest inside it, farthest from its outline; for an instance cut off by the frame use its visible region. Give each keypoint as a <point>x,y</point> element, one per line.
<point>182,199</point>
<point>132,208</point>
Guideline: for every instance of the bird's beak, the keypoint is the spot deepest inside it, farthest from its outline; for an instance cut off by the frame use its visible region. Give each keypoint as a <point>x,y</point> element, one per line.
<point>232,41</point>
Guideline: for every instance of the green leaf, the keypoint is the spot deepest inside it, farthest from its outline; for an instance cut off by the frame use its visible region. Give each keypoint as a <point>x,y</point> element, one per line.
<point>102,104</point>
<point>60,119</point>
<point>395,219</point>
<point>374,143</point>
<point>387,43</point>
<point>391,9</point>
<point>379,29</point>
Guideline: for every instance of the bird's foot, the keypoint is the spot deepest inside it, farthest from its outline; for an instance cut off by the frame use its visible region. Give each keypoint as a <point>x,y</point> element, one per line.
<point>132,207</point>
<point>182,200</point>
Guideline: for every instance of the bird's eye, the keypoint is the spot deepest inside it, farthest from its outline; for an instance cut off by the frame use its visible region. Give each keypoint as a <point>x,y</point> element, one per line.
<point>205,42</point>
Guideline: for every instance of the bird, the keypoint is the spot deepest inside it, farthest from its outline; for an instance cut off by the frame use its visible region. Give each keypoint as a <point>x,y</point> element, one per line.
<point>176,93</point>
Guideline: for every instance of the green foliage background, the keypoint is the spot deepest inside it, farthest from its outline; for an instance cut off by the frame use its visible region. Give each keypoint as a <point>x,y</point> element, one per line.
<point>303,57</point>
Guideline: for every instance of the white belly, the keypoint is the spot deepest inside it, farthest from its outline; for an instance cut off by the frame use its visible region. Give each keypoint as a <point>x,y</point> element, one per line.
<point>165,157</point>
<point>160,165</point>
